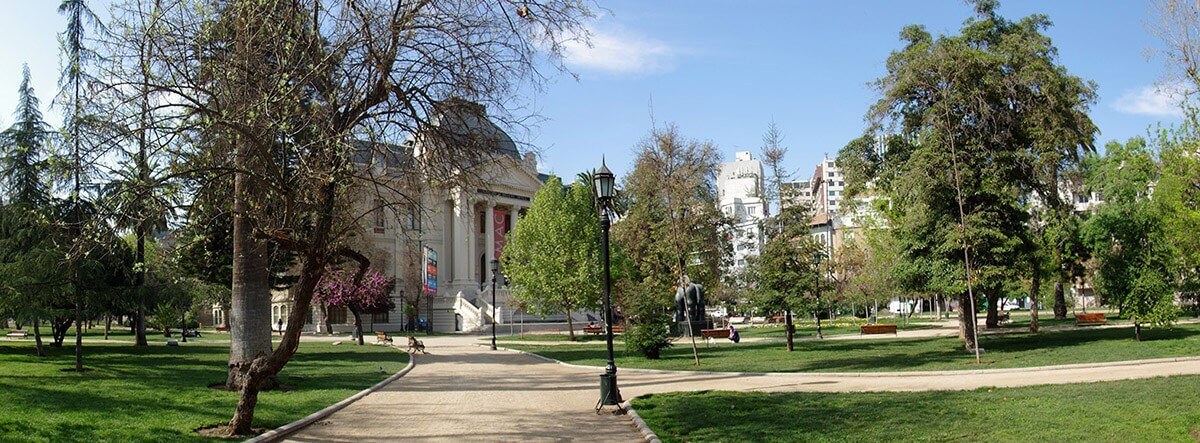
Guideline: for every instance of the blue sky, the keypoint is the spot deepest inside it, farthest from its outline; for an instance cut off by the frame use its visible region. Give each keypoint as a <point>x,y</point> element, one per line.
<point>722,70</point>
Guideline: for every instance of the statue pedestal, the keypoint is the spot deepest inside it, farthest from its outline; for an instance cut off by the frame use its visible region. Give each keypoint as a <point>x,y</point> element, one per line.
<point>680,328</point>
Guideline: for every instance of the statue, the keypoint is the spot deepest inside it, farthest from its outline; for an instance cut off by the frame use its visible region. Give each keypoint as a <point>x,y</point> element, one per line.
<point>689,301</point>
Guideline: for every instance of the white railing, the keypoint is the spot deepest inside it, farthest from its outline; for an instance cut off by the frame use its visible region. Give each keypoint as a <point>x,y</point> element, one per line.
<point>472,318</point>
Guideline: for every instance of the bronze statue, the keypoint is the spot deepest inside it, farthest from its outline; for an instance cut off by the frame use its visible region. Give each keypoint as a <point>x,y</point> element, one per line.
<point>689,301</point>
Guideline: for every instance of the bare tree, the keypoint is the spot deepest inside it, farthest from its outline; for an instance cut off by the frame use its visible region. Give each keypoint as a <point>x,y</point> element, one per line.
<point>320,103</point>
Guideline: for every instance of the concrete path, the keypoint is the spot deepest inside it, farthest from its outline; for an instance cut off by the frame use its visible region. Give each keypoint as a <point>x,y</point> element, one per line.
<point>466,392</point>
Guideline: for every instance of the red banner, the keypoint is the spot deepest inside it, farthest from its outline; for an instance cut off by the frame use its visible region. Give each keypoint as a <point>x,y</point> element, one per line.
<point>499,229</point>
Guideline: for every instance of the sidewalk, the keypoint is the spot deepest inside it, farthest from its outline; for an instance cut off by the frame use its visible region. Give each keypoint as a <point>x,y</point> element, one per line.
<point>467,392</point>
<point>464,392</point>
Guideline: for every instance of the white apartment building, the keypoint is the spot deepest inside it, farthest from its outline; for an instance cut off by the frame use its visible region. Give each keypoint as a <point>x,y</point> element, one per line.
<point>740,190</point>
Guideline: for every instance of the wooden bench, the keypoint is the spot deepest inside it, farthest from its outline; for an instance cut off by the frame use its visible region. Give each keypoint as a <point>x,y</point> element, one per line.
<point>1003,317</point>
<point>597,330</point>
<point>877,329</point>
<point>382,337</point>
<point>1096,318</point>
<point>712,334</point>
<point>17,333</point>
<point>778,318</point>
<point>222,328</point>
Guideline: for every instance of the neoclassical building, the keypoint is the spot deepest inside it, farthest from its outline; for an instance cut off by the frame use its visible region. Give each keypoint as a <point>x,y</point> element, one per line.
<point>440,246</point>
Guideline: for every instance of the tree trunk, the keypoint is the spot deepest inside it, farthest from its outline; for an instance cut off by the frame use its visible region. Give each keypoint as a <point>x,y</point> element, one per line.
<point>1035,286</point>
<point>967,322</point>
<point>139,321</point>
<point>37,337</point>
<point>107,325</point>
<point>819,326</point>
<point>59,329</point>
<point>250,306</point>
<point>79,336</point>
<point>1060,301</point>
<point>357,325</point>
<point>325,319</point>
<point>791,329</point>
<point>570,325</point>
<point>993,309</point>
<point>1137,331</point>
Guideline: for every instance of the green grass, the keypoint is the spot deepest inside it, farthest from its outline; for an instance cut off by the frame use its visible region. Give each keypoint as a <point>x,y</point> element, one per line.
<point>543,338</point>
<point>1002,351</point>
<point>161,393</point>
<point>809,329</point>
<point>1152,410</point>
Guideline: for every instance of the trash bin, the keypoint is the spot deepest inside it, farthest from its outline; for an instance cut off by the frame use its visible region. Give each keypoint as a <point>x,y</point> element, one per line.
<point>608,390</point>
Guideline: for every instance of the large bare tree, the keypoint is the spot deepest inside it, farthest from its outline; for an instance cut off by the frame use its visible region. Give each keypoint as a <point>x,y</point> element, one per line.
<point>322,105</point>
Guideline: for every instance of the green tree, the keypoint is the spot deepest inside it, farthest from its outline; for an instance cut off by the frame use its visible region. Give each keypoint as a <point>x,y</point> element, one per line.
<point>1128,236</point>
<point>23,150</point>
<point>983,119</point>
<point>552,258</point>
<point>671,227</point>
<point>786,270</point>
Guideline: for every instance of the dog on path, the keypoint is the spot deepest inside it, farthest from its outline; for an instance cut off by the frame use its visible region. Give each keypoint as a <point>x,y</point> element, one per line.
<point>415,345</point>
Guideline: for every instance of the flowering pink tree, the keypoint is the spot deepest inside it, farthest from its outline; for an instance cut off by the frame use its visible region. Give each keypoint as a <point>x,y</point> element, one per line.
<point>370,296</point>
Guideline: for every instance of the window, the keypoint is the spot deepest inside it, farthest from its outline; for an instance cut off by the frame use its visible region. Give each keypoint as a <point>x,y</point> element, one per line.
<point>380,220</point>
<point>830,164</point>
<point>414,221</point>
<point>833,203</point>
<point>381,317</point>
<point>832,193</point>
<point>831,174</point>
<point>841,183</point>
<point>482,221</point>
<point>752,210</point>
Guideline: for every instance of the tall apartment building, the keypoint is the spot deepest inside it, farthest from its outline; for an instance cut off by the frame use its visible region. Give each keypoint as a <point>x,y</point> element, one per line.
<point>740,189</point>
<point>828,187</point>
<point>796,193</point>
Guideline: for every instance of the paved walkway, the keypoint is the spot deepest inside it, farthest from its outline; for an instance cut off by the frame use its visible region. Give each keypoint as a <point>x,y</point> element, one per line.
<point>466,392</point>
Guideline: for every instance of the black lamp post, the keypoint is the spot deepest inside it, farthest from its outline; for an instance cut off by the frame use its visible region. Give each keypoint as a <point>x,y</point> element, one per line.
<point>817,288</point>
<point>495,271</point>
<point>604,183</point>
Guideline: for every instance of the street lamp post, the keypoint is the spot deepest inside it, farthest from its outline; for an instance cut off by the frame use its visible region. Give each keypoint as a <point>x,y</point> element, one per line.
<point>495,270</point>
<point>817,289</point>
<point>604,183</point>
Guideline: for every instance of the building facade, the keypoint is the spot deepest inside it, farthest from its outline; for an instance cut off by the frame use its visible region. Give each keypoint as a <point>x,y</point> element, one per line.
<point>740,189</point>
<point>439,246</point>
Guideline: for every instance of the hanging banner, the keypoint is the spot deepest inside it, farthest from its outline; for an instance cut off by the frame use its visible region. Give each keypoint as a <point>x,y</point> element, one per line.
<point>499,230</point>
<point>430,271</point>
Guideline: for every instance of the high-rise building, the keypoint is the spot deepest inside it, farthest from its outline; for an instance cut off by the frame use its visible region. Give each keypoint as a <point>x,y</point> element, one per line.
<point>740,189</point>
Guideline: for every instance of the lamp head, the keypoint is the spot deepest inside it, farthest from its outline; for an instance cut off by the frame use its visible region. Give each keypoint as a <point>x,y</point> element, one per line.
<point>604,181</point>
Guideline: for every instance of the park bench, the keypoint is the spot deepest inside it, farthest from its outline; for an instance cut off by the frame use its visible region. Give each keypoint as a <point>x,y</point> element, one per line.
<point>778,319</point>
<point>618,329</point>
<point>1003,317</point>
<point>711,334</point>
<point>222,329</point>
<point>1095,318</point>
<point>737,320</point>
<point>382,337</point>
<point>594,330</point>
<point>17,333</point>
<point>877,329</point>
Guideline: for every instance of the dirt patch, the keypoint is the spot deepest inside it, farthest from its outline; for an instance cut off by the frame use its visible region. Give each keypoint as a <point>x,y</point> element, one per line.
<point>222,431</point>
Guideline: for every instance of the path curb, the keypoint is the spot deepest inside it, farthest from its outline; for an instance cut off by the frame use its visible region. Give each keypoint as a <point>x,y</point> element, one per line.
<point>281,432</point>
<point>640,424</point>
<point>885,374</point>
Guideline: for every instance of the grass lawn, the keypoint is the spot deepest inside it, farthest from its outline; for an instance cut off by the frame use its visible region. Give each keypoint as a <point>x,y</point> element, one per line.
<point>161,393</point>
<point>918,354</point>
<point>809,329</point>
<point>561,337</point>
<point>1154,410</point>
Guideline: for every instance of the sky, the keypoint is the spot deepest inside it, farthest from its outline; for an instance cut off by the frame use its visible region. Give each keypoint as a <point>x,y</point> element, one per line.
<point>722,71</point>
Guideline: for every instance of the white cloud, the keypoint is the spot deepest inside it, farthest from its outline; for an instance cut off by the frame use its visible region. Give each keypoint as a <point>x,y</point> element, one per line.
<point>1154,100</point>
<point>618,51</point>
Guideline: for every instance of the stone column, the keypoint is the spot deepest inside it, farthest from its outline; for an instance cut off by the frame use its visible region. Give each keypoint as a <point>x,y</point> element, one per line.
<point>461,241</point>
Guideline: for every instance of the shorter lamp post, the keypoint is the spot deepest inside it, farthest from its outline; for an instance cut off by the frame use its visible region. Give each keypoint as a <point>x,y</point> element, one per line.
<point>817,288</point>
<point>604,183</point>
<point>495,271</point>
